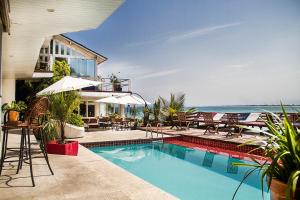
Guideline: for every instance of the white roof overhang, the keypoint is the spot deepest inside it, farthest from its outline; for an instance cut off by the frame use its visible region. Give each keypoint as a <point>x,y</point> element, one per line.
<point>33,21</point>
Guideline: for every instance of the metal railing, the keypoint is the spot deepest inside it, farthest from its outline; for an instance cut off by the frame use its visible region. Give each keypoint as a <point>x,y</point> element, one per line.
<point>123,85</point>
<point>42,67</point>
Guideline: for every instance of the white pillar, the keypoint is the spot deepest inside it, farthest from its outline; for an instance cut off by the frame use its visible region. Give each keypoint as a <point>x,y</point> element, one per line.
<point>8,90</point>
<point>97,110</point>
<point>102,109</point>
<point>122,110</point>
<point>86,108</point>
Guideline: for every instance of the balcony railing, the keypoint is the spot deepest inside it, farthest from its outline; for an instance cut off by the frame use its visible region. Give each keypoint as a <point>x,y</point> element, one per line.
<point>123,85</point>
<point>42,67</point>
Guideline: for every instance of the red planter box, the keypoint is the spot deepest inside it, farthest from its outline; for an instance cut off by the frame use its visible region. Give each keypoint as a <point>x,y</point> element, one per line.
<point>69,148</point>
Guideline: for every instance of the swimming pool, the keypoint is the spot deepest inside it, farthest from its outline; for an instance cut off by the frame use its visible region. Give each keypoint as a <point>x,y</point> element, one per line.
<point>186,173</point>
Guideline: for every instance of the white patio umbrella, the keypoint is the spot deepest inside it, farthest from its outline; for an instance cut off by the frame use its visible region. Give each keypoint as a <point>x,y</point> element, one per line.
<point>130,99</point>
<point>112,99</point>
<point>68,83</point>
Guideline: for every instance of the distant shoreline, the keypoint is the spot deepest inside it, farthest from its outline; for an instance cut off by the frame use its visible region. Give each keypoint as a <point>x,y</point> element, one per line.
<point>246,105</point>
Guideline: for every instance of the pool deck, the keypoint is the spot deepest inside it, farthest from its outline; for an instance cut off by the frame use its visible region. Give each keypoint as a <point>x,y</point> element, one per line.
<point>86,176</point>
<point>195,132</point>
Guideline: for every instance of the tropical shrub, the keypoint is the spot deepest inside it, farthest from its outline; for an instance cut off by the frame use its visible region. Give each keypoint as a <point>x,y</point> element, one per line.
<point>50,129</point>
<point>76,120</point>
<point>62,107</point>
<point>30,88</point>
<point>172,106</point>
<point>116,83</point>
<point>282,149</point>
<point>156,110</point>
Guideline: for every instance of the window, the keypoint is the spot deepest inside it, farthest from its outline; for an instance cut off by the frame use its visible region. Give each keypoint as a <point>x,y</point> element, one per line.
<point>46,58</point>
<point>82,109</point>
<point>91,110</point>
<point>46,50</point>
<point>56,48</point>
<point>68,51</point>
<point>51,46</point>
<point>41,59</point>
<point>41,50</point>
<point>62,49</point>
<point>82,67</point>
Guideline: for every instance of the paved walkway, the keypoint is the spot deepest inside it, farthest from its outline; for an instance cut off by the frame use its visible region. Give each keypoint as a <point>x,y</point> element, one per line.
<point>86,176</point>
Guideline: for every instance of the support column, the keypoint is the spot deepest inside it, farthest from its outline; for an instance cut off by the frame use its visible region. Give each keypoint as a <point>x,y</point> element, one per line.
<point>9,90</point>
<point>122,110</point>
<point>102,109</point>
<point>87,108</point>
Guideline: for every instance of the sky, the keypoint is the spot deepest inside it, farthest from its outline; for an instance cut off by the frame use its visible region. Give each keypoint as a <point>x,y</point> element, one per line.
<point>217,52</point>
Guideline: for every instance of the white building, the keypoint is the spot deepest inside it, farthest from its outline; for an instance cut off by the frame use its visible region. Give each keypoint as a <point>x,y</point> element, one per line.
<point>28,27</point>
<point>84,63</point>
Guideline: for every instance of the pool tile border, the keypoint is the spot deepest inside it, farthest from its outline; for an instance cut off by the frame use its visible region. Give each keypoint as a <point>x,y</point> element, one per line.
<point>220,144</point>
<point>120,142</point>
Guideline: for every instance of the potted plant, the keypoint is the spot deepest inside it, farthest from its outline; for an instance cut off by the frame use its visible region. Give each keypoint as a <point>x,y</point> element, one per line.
<point>62,106</point>
<point>14,108</point>
<point>116,83</point>
<point>74,127</point>
<point>282,167</point>
<point>50,129</point>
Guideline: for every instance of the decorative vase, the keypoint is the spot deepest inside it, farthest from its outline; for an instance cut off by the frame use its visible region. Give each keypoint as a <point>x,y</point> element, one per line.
<point>13,116</point>
<point>278,190</point>
<point>52,141</point>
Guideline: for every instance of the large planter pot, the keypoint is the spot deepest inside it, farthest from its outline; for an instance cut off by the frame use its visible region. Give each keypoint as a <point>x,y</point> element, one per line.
<point>278,190</point>
<point>69,148</point>
<point>72,131</point>
<point>13,116</point>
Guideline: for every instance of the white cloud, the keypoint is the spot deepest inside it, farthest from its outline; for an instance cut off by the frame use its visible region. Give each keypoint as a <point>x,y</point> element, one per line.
<point>159,74</point>
<point>200,32</point>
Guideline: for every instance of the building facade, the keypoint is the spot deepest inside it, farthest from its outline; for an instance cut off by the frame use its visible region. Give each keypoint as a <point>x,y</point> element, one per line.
<point>84,63</point>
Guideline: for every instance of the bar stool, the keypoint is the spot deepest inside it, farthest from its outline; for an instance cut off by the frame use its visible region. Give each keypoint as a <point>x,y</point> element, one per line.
<point>34,120</point>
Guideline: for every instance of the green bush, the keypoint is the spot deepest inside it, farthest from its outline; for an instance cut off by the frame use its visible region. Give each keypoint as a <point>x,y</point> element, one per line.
<point>76,120</point>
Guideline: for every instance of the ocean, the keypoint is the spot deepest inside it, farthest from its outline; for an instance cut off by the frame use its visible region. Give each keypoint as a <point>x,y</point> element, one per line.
<point>249,109</point>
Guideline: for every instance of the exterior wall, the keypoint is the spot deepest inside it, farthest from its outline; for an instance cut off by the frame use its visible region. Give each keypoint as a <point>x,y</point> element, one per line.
<point>9,90</point>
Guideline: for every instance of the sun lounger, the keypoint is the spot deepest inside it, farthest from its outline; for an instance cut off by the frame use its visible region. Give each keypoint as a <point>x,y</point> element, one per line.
<point>182,121</point>
<point>232,123</point>
<point>211,126</point>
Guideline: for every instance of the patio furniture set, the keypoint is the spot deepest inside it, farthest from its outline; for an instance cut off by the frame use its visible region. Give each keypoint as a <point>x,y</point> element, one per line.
<point>232,123</point>
<point>25,153</point>
<point>108,123</point>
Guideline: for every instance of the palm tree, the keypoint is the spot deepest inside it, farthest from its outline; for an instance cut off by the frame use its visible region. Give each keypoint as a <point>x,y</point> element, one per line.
<point>174,105</point>
<point>156,109</point>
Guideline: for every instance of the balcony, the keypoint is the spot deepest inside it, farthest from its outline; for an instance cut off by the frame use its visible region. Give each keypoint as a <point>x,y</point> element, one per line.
<point>124,86</point>
<point>42,70</point>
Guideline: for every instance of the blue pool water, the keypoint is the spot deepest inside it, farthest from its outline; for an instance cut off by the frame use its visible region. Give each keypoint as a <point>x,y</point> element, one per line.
<point>186,173</point>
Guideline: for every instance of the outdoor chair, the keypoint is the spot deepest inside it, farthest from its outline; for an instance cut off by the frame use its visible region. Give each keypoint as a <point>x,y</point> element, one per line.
<point>33,121</point>
<point>211,126</point>
<point>232,124</point>
<point>182,120</point>
<point>104,122</point>
<point>117,124</point>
